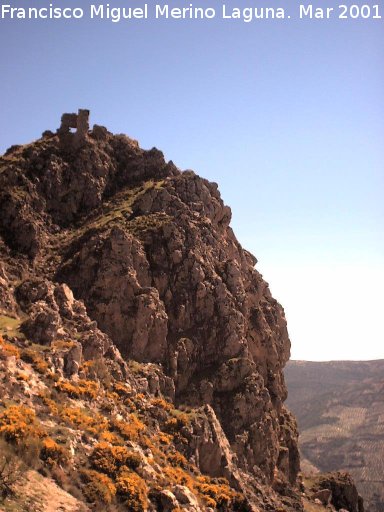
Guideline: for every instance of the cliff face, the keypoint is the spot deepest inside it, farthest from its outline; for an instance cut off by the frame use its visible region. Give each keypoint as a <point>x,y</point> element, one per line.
<point>103,231</point>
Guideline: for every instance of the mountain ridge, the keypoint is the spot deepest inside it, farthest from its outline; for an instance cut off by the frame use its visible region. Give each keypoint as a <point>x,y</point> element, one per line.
<point>121,277</point>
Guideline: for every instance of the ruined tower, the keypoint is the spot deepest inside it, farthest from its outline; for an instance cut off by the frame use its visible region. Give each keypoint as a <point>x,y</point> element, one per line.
<point>78,122</point>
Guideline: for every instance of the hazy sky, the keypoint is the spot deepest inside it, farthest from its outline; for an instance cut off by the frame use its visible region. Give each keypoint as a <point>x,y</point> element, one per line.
<point>287,116</point>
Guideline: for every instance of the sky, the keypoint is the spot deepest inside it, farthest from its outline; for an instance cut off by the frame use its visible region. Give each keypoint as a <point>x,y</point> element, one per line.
<point>286,115</point>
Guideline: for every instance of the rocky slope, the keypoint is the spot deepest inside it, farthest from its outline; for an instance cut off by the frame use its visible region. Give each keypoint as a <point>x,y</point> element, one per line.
<point>340,410</point>
<point>124,297</point>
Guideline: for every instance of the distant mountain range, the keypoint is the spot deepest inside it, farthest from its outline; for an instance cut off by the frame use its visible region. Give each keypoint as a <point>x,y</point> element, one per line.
<point>340,409</point>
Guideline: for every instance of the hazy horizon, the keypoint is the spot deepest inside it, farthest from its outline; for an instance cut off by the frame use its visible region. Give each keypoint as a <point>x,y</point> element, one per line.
<point>336,360</point>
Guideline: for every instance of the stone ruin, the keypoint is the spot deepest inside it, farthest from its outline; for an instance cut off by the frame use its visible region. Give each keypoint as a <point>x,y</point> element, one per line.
<point>78,122</point>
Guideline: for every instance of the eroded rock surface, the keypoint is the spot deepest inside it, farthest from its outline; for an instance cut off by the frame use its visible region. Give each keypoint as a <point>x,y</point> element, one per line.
<point>109,245</point>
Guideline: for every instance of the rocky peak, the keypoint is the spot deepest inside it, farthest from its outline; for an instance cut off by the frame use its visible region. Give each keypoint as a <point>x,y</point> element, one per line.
<point>107,244</point>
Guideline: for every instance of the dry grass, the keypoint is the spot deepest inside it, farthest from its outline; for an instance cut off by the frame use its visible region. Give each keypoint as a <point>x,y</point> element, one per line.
<point>309,506</point>
<point>10,326</point>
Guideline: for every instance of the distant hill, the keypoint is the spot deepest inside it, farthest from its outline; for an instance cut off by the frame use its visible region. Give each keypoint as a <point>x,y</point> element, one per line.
<point>340,409</point>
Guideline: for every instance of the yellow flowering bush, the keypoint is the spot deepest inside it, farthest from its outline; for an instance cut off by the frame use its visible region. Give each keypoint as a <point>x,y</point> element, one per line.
<point>59,345</point>
<point>18,422</point>
<point>52,453</point>
<point>177,459</point>
<point>132,490</point>
<point>35,359</point>
<point>48,402</point>
<point>163,404</point>
<point>173,425</point>
<point>8,350</point>
<point>177,475</point>
<point>109,459</point>
<point>80,389</point>
<point>98,488</point>
<point>164,439</point>
<point>111,438</point>
<point>77,417</point>
<point>129,429</point>
<point>218,491</point>
<point>123,390</point>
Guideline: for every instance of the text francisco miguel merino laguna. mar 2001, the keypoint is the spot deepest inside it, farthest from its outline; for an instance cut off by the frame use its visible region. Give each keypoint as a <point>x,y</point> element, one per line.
<point>191,12</point>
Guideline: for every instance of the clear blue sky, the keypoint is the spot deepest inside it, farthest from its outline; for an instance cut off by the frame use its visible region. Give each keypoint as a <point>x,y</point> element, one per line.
<point>287,116</point>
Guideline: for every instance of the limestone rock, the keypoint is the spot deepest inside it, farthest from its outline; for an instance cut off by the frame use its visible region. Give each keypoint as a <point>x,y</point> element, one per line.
<point>121,258</point>
<point>324,496</point>
<point>7,301</point>
<point>54,314</point>
<point>185,496</point>
<point>149,250</point>
<point>168,500</point>
<point>212,450</point>
<point>183,293</point>
<point>132,311</point>
<point>43,324</point>
<point>342,488</point>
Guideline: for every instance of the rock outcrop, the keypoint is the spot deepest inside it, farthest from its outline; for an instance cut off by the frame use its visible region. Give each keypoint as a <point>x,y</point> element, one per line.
<point>113,247</point>
<point>338,489</point>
